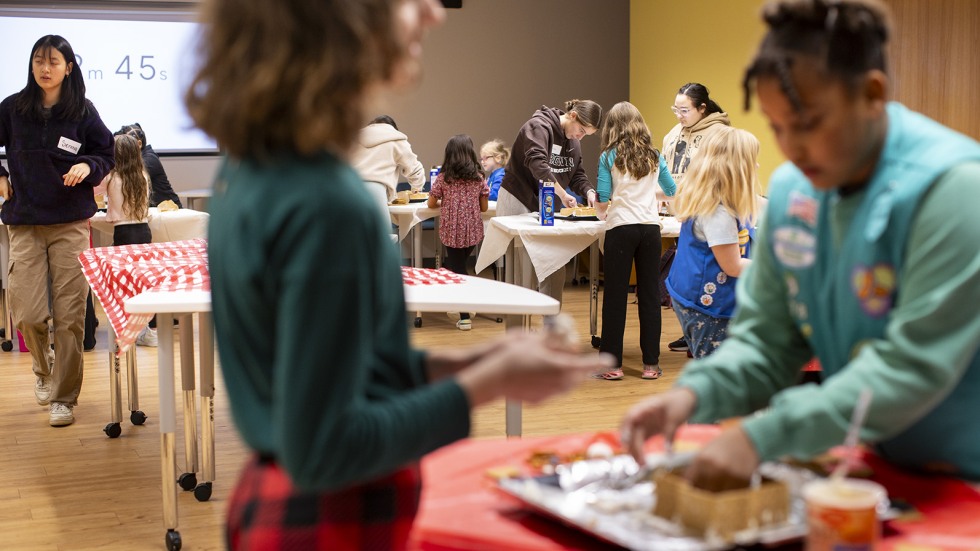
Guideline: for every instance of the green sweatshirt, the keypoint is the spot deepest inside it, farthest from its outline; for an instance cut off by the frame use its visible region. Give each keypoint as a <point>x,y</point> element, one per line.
<point>933,335</point>
<point>310,323</point>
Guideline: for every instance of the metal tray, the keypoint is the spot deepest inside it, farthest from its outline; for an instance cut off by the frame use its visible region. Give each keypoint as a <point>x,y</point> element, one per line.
<point>624,516</point>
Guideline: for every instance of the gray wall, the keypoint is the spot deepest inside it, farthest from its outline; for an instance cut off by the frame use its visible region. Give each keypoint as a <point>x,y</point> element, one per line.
<point>490,66</point>
<point>486,70</point>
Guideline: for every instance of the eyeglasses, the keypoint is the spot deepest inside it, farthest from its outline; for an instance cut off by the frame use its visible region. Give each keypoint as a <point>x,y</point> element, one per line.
<point>677,111</point>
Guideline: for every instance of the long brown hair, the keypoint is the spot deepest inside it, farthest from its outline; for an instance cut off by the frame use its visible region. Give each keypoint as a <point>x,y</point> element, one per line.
<point>311,63</point>
<point>625,131</point>
<point>131,174</point>
<point>461,162</point>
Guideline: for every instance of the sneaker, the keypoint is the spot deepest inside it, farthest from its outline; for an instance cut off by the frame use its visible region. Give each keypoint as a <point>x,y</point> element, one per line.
<point>455,315</point>
<point>61,414</point>
<point>42,390</point>
<point>680,345</point>
<point>464,325</point>
<point>652,372</point>
<point>147,337</point>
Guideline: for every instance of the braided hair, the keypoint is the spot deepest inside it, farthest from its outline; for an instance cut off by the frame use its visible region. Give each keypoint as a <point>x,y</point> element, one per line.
<point>849,37</point>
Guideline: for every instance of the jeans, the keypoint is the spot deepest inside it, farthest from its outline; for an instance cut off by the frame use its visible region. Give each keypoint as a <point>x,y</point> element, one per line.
<point>639,243</point>
<point>703,333</point>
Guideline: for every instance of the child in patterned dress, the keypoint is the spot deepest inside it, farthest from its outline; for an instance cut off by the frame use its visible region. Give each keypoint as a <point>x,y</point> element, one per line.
<point>463,193</point>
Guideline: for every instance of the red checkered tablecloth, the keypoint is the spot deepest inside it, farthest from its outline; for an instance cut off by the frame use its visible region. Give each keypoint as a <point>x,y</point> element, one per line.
<point>428,276</point>
<point>119,273</point>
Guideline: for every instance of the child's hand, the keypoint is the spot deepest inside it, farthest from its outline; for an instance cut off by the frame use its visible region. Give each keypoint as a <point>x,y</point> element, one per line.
<point>76,174</point>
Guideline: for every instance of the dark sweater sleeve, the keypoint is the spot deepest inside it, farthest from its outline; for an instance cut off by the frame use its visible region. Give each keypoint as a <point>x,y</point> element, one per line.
<point>99,148</point>
<point>161,188</point>
<point>536,144</point>
<point>354,402</point>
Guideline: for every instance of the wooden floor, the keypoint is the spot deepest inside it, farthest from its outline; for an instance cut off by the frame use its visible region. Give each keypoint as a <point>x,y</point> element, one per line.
<point>72,488</point>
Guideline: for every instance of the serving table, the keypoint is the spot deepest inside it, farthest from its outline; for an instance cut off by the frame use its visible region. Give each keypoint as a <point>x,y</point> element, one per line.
<point>171,225</point>
<point>551,247</point>
<point>134,282</point>
<point>462,509</point>
<point>408,216</point>
<point>444,291</point>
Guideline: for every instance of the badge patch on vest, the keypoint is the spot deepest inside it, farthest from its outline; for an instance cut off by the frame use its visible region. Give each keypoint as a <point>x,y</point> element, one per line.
<point>804,208</point>
<point>795,247</point>
<point>874,286</point>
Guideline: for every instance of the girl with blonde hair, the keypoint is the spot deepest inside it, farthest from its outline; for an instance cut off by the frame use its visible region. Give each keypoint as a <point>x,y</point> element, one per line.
<point>633,176</point>
<point>493,157</point>
<point>717,207</point>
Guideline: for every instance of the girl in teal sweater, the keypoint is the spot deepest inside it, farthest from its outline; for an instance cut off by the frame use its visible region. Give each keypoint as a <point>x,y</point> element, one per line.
<point>866,258</point>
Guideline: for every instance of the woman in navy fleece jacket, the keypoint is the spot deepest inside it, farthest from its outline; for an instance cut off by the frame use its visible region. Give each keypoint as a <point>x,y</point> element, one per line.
<point>58,149</point>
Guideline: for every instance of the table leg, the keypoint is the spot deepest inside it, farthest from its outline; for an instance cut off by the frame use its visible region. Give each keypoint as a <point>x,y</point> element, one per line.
<point>417,260</point>
<point>168,423</point>
<point>513,410</point>
<point>136,416</point>
<point>206,334</point>
<point>594,298</point>
<point>114,429</point>
<point>188,479</point>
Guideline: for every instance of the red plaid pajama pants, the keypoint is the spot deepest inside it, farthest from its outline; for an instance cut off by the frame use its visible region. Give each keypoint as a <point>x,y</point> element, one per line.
<point>267,513</point>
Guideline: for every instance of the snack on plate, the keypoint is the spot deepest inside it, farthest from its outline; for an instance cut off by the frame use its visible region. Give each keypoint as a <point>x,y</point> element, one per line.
<point>420,196</point>
<point>167,206</point>
<point>720,514</point>
<point>506,471</point>
<point>580,212</point>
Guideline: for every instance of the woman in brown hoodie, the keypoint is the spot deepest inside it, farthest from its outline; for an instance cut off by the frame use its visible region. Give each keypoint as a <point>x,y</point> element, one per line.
<point>548,149</point>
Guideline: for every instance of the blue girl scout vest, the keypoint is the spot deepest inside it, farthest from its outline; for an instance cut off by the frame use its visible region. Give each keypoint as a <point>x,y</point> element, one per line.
<point>842,298</point>
<point>696,280</point>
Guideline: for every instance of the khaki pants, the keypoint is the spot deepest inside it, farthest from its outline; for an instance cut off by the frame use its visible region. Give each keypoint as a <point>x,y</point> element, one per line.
<point>524,275</point>
<point>40,255</point>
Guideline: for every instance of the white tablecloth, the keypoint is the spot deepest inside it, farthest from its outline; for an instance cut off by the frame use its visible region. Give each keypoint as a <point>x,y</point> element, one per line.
<point>550,247</point>
<point>174,225</point>
<point>407,216</point>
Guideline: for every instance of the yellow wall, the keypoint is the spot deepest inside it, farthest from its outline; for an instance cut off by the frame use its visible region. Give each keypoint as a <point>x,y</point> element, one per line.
<point>706,41</point>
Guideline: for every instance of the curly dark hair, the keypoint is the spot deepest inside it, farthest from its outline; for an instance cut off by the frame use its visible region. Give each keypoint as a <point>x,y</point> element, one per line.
<point>309,66</point>
<point>847,36</point>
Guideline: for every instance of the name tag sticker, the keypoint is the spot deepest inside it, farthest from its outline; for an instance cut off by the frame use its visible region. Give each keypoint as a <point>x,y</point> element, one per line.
<point>555,149</point>
<point>70,146</point>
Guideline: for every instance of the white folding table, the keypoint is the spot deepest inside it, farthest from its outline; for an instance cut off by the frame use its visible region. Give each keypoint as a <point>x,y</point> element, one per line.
<point>166,305</point>
<point>484,295</point>
<point>551,247</point>
<point>408,217</point>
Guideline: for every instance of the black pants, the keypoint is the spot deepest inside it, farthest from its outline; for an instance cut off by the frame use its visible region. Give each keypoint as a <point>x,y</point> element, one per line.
<point>456,261</point>
<point>639,243</point>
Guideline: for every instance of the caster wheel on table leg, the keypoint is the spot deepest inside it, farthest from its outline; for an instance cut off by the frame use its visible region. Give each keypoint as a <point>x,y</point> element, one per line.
<point>418,322</point>
<point>596,341</point>
<point>7,346</point>
<point>187,481</point>
<point>137,417</point>
<point>203,491</point>
<point>173,540</point>
<point>112,430</point>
